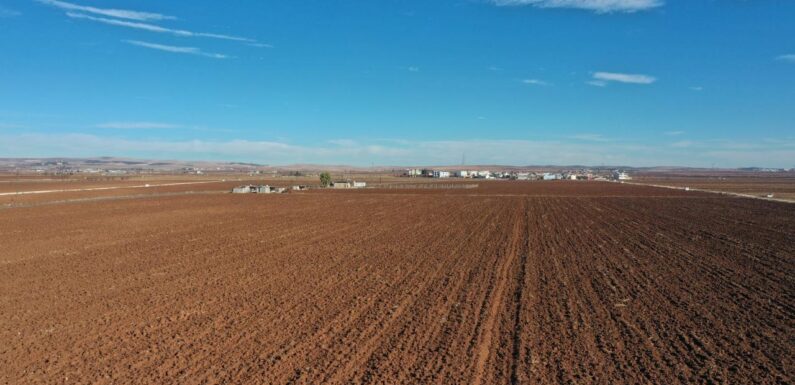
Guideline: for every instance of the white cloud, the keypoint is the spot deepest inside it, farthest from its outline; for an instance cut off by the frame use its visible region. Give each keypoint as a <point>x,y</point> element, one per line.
<point>590,137</point>
<point>597,83</point>
<point>156,28</point>
<point>535,82</point>
<point>118,13</point>
<point>683,143</point>
<point>787,58</point>
<point>697,88</point>
<point>177,49</point>
<point>5,12</point>
<point>136,125</point>
<point>343,142</point>
<point>601,79</point>
<point>401,152</point>
<point>413,69</point>
<point>598,6</point>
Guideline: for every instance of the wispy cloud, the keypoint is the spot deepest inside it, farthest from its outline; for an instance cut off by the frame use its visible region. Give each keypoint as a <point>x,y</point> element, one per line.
<point>5,12</point>
<point>343,142</point>
<point>697,88</point>
<point>590,137</point>
<point>413,69</point>
<point>535,82</point>
<point>787,58</point>
<point>118,13</point>
<point>683,143</point>
<point>597,83</point>
<point>401,152</point>
<point>157,28</point>
<point>177,49</point>
<point>137,125</point>
<point>601,79</point>
<point>598,6</point>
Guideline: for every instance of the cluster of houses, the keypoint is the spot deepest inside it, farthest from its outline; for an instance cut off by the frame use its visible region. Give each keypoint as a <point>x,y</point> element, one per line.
<point>567,175</point>
<point>265,189</point>
<point>261,189</point>
<point>348,184</point>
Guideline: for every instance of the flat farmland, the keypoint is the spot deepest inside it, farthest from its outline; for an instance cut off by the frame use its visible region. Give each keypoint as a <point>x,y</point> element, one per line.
<point>781,185</point>
<point>506,283</point>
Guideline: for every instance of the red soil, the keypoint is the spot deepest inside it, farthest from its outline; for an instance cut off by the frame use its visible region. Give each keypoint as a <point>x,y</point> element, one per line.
<point>548,283</point>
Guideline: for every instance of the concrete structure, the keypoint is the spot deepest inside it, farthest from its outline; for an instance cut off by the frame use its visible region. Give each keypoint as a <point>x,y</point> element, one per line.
<point>621,175</point>
<point>549,176</point>
<point>522,176</point>
<point>244,189</point>
<point>414,172</point>
<point>251,189</point>
<point>441,174</point>
<point>462,174</point>
<point>341,184</point>
<point>359,184</point>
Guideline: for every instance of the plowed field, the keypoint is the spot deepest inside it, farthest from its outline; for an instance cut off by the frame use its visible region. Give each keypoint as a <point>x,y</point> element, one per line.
<point>509,283</point>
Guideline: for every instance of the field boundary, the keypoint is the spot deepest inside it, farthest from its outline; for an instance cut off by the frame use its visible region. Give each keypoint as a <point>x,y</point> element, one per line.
<point>110,198</point>
<point>106,188</point>
<point>734,194</point>
<point>429,185</point>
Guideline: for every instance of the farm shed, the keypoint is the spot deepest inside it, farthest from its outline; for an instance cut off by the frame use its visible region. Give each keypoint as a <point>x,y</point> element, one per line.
<point>244,189</point>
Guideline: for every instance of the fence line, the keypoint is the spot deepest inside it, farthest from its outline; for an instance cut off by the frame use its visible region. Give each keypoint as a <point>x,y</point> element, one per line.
<point>425,185</point>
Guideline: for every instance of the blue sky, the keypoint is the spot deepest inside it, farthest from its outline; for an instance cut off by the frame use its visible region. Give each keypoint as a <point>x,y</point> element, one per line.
<point>629,82</point>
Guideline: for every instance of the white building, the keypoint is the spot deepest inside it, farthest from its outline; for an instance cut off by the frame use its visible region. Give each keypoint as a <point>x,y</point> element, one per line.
<point>414,172</point>
<point>441,174</point>
<point>244,189</point>
<point>462,174</point>
<point>550,176</point>
<point>359,184</point>
<point>621,175</point>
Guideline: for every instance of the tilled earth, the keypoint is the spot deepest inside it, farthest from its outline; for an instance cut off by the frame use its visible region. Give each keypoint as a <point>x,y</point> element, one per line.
<point>509,283</point>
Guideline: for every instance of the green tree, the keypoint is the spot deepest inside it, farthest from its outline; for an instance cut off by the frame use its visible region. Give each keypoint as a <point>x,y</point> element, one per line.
<point>325,179</point>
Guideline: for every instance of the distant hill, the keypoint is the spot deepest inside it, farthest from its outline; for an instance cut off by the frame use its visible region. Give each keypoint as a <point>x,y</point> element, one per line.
<point>130,164</point>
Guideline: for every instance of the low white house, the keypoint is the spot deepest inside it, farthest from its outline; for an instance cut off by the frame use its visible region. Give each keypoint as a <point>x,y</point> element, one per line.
<point>251,189</point>
<point>522,176</point>
<point>244,189</point>
<point>441,174</point>
<point>359,184</point>
<point>621,175</point>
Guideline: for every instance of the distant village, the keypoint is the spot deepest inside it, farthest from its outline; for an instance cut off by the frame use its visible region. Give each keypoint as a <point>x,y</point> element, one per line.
<point>514,175</point>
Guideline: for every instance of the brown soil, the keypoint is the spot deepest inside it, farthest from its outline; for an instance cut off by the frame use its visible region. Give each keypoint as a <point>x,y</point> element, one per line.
<point>761,184</point>
<point>510,283</point>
